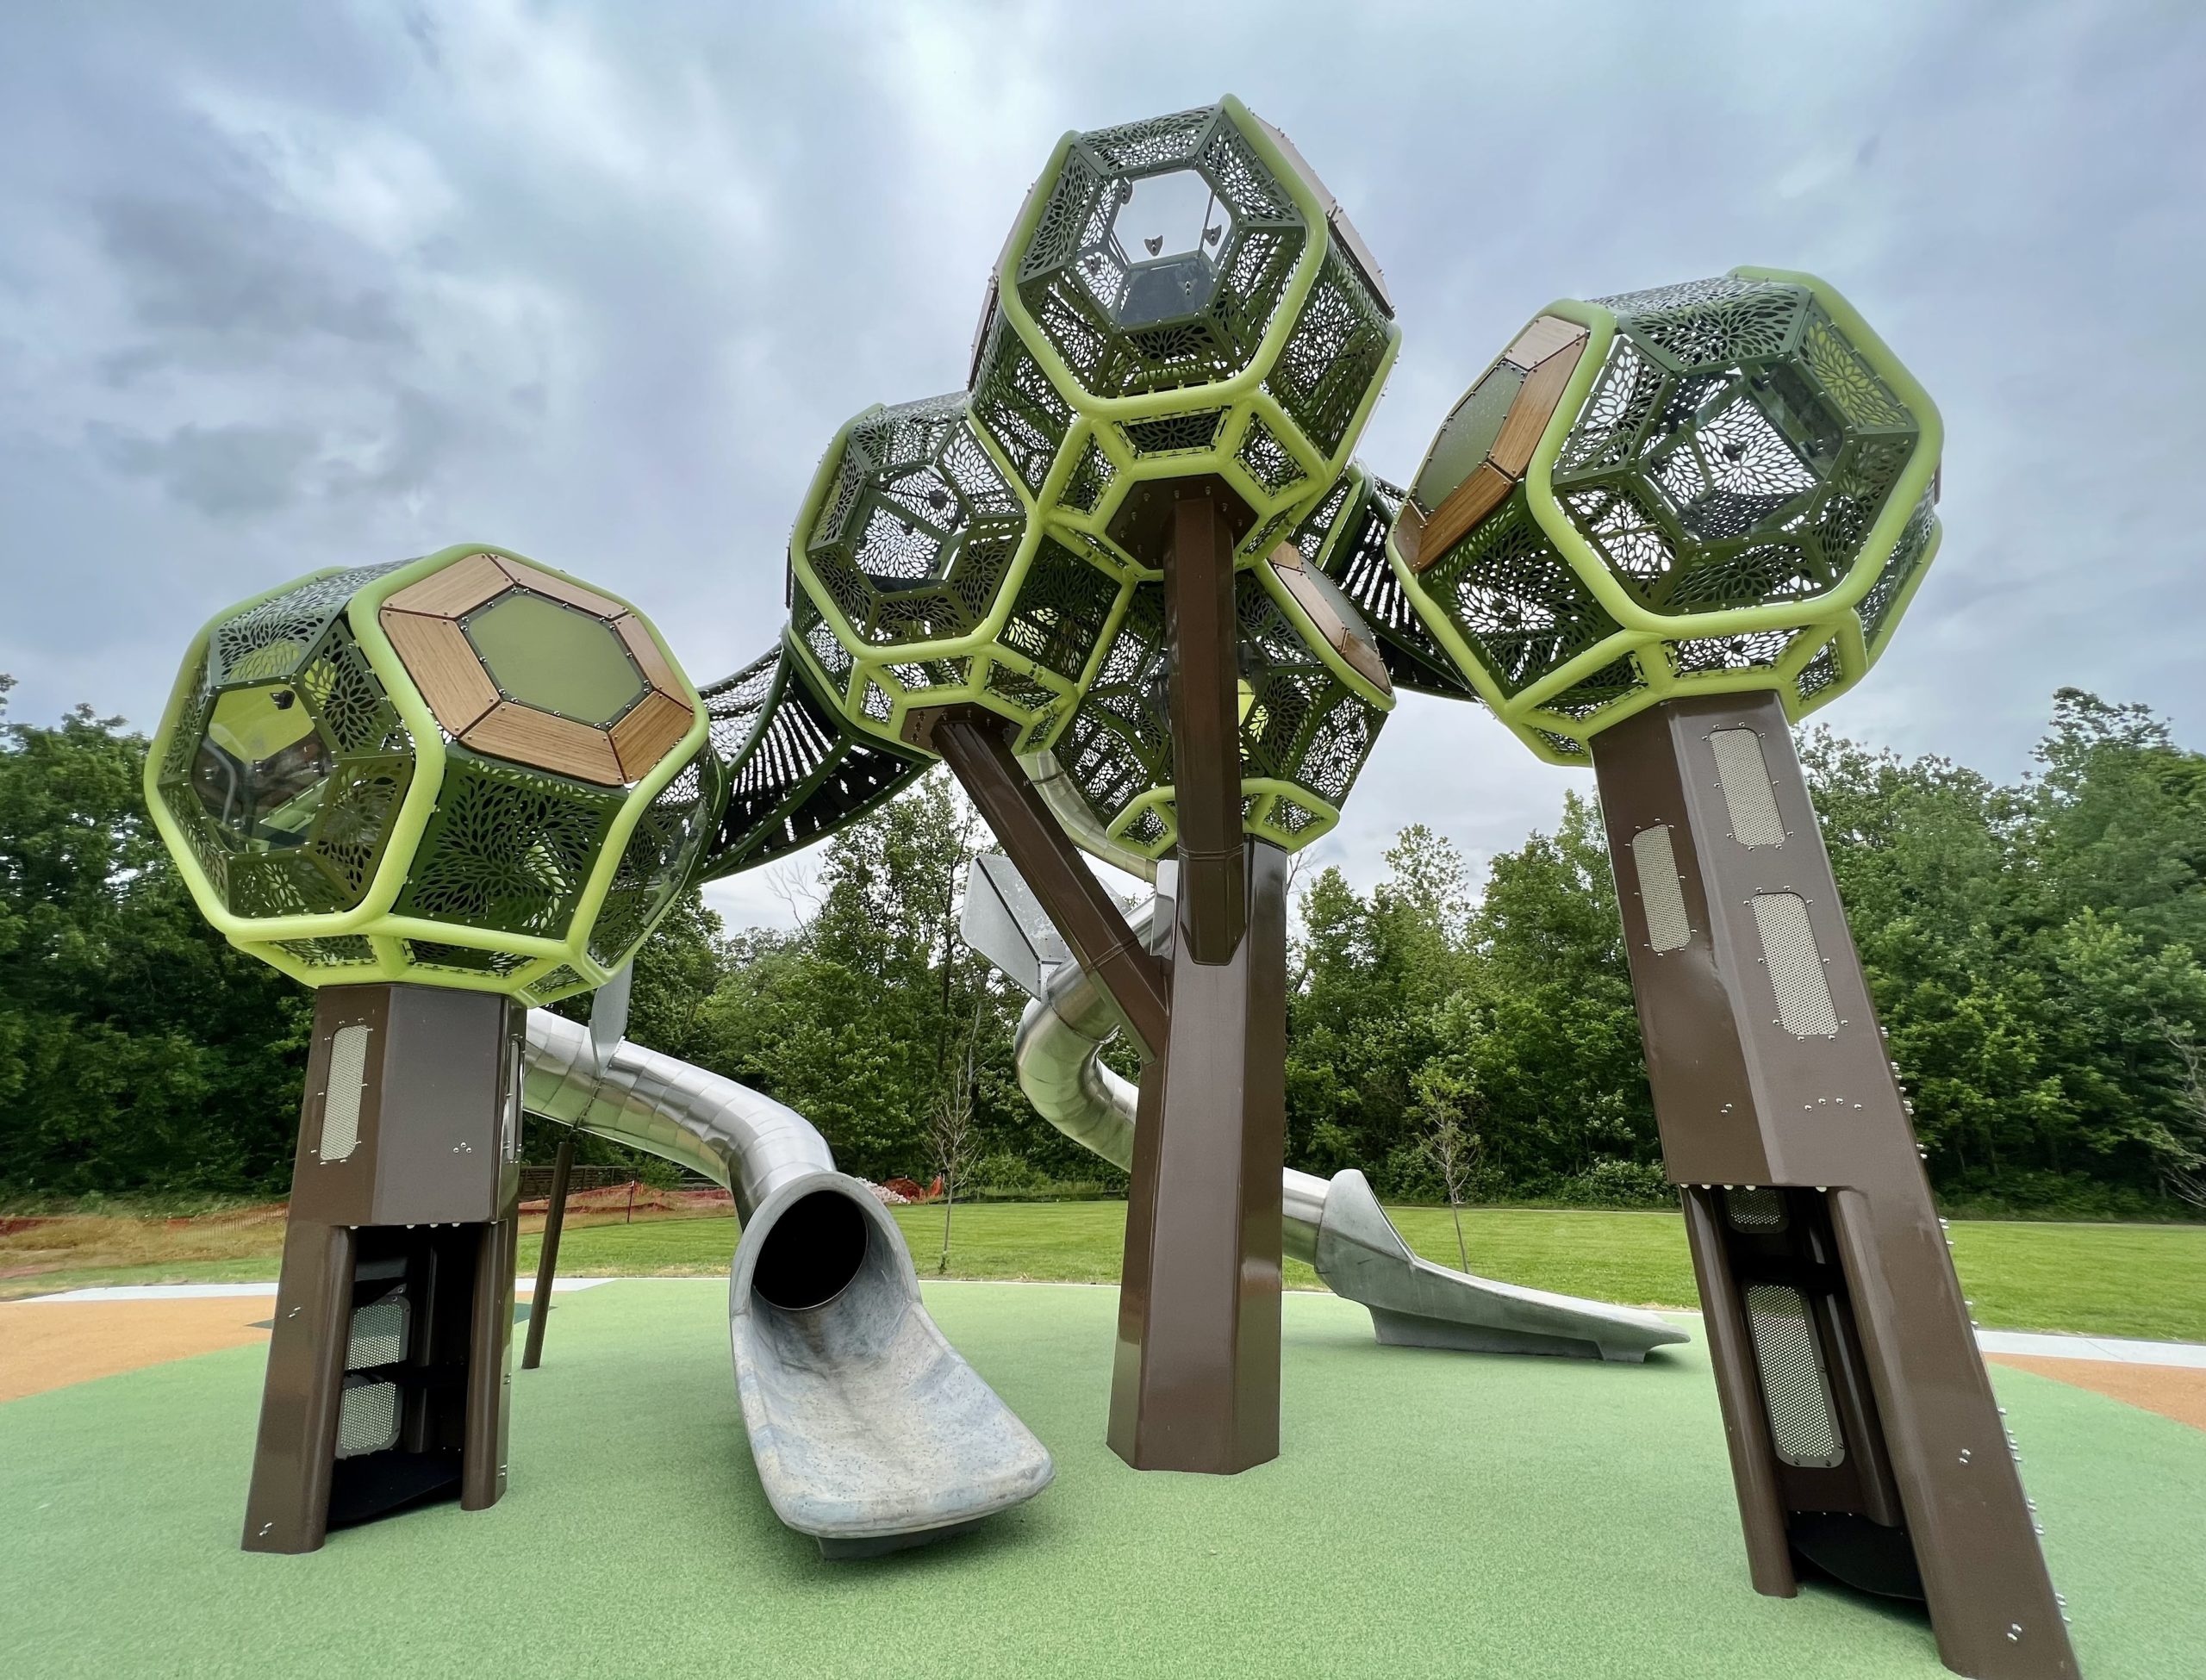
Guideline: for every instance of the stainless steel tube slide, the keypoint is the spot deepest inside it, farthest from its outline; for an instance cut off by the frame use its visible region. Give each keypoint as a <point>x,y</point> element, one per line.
<point>1336,1225</point>
<point>868,1430</point>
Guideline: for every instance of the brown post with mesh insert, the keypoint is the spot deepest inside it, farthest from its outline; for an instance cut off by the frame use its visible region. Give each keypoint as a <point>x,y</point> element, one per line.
<point>388,1367</point>
<point>1864,1437</point>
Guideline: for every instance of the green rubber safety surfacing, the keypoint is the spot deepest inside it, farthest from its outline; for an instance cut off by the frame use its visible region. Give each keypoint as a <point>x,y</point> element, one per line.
<point>1432,1514</point>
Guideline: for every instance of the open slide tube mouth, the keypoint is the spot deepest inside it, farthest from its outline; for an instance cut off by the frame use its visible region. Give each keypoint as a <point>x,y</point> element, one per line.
<point>814,1252</point>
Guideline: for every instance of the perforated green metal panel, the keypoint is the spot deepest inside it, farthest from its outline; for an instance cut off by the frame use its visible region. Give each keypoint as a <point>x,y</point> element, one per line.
<point>1307,725</point>
<point>1736,492</point>
<point>326,824</point>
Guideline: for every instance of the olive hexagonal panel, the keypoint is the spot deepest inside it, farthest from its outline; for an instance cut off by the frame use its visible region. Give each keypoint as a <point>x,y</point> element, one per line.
<point>519,664</point>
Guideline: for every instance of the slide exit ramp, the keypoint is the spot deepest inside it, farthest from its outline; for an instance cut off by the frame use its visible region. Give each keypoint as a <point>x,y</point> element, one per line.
<point>1334,1224</point>
<point>870,1432</point>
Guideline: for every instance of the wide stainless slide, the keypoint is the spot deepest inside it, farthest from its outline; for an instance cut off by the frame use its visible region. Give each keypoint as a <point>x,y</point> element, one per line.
<point>870,1432</point>
<point>1337,1224</point>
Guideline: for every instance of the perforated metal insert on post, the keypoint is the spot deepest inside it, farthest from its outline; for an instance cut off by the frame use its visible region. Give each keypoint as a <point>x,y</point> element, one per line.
<point>1749,797</point>
<point>340,1107</point>
<point>1795,964</point>
<point>1796,1390</point>
<point>367,1418</point>
<point>1660,891</point>
<point>1756,1208</point>
<point>379,1333</point>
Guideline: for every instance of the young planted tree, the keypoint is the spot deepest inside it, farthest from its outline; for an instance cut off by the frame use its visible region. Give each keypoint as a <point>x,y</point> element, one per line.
<point>1452,1147</point>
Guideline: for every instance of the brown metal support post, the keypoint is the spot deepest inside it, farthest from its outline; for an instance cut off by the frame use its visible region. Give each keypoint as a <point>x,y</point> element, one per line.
<point>1195,1378</point>
<point>1202,632</point>
<point>547,1261</point>
<point>1863,1432</point>
<point>387,1368</point>
<point>971,742</point>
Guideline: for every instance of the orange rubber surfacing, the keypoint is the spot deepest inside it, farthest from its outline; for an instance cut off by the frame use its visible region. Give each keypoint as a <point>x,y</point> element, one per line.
<point>2176,1392</point>
<point>50,1344</point>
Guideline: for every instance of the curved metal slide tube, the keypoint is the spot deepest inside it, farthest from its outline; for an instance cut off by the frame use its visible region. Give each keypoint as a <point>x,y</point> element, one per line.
<point>868,1430</point>
<point>1337,1225</point>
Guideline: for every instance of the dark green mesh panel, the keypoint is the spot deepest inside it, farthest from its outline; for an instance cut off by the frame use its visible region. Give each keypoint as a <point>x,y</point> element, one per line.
<point>1514,599</point>
<point>656,860</point>
<point>508,851</point>
<point>1093,288</point>
<point>1734,450</point>
<point>1015,403</point>
<point>348,701</point>
<point>811,630</point>
<point>325,863</point>
<point>1356,559</point>
<point>1333,355</point>
<point>1907,554</point>
<point>1755,651</point>
<point>1704,324</point>
<point>1302,723</point>
<point>915,537</point>
<point>556,983</point>
<point>1060,609</point>
<point>1085,486</point>
<point>797,771</point>
<point>1268,461</point>
<point>1119,745</point>
<point>1819,673</point>
<point>1173,434</point>
<point>462,959</point>
<point>1616,681</point>
<point>338,951</point>
<point>274,639</point>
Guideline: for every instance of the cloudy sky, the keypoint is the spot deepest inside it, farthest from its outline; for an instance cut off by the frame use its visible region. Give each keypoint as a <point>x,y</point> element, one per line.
<point>285,287</point>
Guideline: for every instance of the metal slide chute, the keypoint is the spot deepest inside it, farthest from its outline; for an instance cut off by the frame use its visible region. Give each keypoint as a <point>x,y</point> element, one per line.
<point>869,1431</point>
<point>1337,1225</point>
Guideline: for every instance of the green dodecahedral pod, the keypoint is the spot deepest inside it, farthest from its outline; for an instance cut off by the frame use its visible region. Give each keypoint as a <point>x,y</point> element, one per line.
<point>1179,298</point>
<point>1725,486</point>
<point>466,770</point>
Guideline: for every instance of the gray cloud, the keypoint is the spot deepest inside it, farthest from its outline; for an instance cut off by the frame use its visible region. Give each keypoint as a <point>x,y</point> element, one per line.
<point>226,472</point>
<point>294,288</point>
<point>226,268</point>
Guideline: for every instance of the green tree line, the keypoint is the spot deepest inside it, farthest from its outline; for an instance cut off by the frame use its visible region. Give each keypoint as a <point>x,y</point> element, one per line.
<point>2033,949</point>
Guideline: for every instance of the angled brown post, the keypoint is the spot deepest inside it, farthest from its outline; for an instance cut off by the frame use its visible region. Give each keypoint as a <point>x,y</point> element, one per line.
<point>971,742</point>
<point>548,1259</point>
<point>388,1368</point>
<point>1864,1437</point>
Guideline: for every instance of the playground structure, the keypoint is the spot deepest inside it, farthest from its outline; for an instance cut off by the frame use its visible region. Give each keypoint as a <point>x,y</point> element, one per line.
<point>1132,589</point>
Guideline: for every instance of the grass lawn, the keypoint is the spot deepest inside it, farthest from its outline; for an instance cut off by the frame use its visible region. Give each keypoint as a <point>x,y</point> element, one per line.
<point>1431,1514</point>
<point>2128,1281</point>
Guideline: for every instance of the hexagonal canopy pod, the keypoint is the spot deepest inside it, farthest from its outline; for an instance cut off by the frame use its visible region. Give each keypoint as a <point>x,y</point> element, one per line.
<point>466,770</point>
<point>922,580</point>
<point>1180,297</point>
<point>1314,691</point>
<point>1725,486</point>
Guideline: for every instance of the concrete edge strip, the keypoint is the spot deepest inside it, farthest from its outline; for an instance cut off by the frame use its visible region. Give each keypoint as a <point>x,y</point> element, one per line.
<point>231,1291</point>
<point>2114,1350</point>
